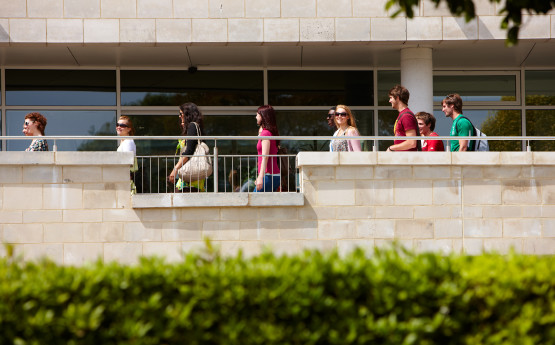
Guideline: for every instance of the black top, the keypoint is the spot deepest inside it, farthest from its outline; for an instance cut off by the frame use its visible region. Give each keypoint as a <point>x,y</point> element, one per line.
<point>191,145</point>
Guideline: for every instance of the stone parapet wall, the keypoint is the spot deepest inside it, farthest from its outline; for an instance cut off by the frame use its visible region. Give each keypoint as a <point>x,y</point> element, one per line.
<point>241,21</point>
<point>75,207</point>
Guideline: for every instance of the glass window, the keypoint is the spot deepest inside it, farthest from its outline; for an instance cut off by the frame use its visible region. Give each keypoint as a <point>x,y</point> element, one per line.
<point>320,88</point>
<point>60,87</point>
<point>491,122</point>
<point>67,122</point>
<point>476,88</point>
<point>540,89</point>
<point>541,123</point>
<point>387,80</point>
<point>171,88</point>
<point>386,121</point>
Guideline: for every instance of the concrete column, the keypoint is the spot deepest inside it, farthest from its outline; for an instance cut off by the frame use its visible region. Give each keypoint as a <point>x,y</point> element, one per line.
<point>417,77</point>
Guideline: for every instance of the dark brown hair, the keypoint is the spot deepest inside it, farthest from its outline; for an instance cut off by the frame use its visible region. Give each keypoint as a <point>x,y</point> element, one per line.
<point>268,122</point>
<point>455,100</point>
<point>192,114</point>
<point>39,119</point>
<point>401,92</point>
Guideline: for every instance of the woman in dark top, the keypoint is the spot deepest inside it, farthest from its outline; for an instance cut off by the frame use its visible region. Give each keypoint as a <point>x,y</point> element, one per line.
<point>191,125</point>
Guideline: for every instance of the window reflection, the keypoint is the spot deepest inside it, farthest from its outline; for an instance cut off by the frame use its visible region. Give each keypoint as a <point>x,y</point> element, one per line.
<point>387,80</point>
<point>491,122</point>
<point>327,88</point>
<point>541,123</point>
<point>476,88</point>
<point>66,122</point>
<point>540,89</point>
<point>60,87</point>
<point>171,88</point>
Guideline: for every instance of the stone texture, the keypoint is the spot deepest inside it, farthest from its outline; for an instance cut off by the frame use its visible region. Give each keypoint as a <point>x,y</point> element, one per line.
<point>42,174</point>
<point>173,30</point>
<point>522,228</point>
<point>489,27</point>
<point>190,9</point>
<point>374,192</point>
<point>154,8</point>
<point>82,216</point>
<point>81,8</point>
<point>13,8</point>
<point>23,233</point>
<point>171,252</point>
<point>448,228</point>
<point>447,192</point>
<point>317,30</point>
<point>458,29</point>
<point>40,216</point>
<point>444,247</point>
<point>123,253</point>
<point>182,231</point>
<point>99,195</point>
<point>388,172</point>
<point>482,192</point>
<point>64,30</point>
<point>424,29</point>
<point>334,8</point>
<point>22,197</point>
<point>519,192</point>
<point>101,31</point>
<point>388,29</point>
<point>303,158</point>
<point>318,173</point>
<point>118,8</point>
<point>28,30</point>
<point>298,8</point>
<point>10,216</point>
<point>209,30</point>
<point>11,174</point>
<point>364,8</point>
<point>227,9</point>
<point>535,27</point>
<point>246,30</point>
<point>4,31</point>
<point>539,246</point>
<point>77,254</point>
<point>143,232</point>
<point>415,192</point>
<point>63,196</point>
<point>338,229</point>
<point>137,31</point>
<point>394,212</point>
<point>503,246</point>
<point>262,8</point>
<point>39,251</point>
<point>483,228</point>
<point>77,174</point>
<point>63,232</point>
<point>221,230</point>
<point>103,232</point>
<point>44,8</point>
<point>336,193</point>
<point>414,228</point>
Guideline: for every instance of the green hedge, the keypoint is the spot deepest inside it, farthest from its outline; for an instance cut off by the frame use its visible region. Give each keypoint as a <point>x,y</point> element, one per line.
<point>389,297</point>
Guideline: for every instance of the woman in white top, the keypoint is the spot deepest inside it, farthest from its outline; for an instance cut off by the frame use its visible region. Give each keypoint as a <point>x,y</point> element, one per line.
<point>124,127</point>
<point>346,126</point>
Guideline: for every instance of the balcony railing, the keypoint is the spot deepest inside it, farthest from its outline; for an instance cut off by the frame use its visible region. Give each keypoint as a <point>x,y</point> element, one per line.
<point>234,173</point>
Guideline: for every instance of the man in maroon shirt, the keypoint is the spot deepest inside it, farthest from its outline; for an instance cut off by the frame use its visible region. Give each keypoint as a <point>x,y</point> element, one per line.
<point>406,124</point>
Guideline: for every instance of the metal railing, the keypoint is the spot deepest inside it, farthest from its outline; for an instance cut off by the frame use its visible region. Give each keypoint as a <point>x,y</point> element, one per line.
<point>237,173</point>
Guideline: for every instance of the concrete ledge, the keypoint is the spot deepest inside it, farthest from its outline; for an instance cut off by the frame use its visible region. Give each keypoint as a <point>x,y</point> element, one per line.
<point>96,158</point>
<point>210,199</point>
<point>276,199</point>
<point>543,158</point>
<point>475,158</point>
<point>27,158</point>
<point>317,158</point>
<point>358,158</point>
<point>517,158</point>
<point>151,200</point>
<point>167,200</point>
<point>415,158</point>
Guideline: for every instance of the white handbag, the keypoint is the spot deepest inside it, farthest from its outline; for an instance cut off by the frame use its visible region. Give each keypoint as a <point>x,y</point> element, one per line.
<point>199,166</point>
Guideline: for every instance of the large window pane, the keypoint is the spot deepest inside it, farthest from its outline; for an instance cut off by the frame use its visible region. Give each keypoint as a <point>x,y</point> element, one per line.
<point>60,87</point>
<point>94,123</point>
<point>492,123</point>
<point>476,88</point>
<point>386,121</point>
<point>541,123</point>
<point>320,88</point>
<point>387,80</point>
<point>540,88</point>
<point>171,88</point>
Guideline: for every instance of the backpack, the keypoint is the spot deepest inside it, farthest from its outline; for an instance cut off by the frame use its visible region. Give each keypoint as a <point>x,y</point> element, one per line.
<point>479,145</point>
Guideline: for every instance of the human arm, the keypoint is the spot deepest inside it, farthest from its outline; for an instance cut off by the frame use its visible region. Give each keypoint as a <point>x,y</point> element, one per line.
<point>464,128</point>
<point>190,146</point>
<point>179,164</point>
<point>405,145</point>
<point>264,163</point>
<point>354,143</point>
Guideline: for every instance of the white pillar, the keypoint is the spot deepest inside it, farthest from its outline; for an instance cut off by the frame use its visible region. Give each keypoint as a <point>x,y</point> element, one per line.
<point>417,77</point>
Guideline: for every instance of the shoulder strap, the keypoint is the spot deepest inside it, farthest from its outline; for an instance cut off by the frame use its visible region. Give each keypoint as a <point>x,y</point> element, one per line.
<point>198,132</point>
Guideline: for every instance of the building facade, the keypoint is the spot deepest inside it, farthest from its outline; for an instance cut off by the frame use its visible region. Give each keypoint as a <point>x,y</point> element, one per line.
<point>84,62</point>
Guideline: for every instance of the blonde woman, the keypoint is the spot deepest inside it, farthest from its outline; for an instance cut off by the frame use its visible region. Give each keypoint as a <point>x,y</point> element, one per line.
<point>346,127</point>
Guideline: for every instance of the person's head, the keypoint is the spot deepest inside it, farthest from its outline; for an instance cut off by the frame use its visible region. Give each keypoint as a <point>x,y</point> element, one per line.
<point>452,104</point>
<point>426,122</point>
<point>398,94</point>
<point>124,126</point>
<point>344,116</point>
<point>189,112</point>
<point>233,179</point>
<point>34,124</point>
<point>266,118</point>
<point>330,117</point>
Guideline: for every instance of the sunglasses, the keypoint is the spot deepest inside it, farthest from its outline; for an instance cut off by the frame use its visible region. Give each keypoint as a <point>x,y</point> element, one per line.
<point>341,114</point>
<point>27,123</point>
<point>122,125</point>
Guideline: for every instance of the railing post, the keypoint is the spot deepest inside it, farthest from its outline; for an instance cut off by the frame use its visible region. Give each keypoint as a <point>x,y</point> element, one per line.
<point>55,147</point>
<point>215,167</point>
<point>528,147</point>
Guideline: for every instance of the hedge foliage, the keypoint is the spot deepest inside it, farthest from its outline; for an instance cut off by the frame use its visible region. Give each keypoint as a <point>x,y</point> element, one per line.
<point>389,297</point>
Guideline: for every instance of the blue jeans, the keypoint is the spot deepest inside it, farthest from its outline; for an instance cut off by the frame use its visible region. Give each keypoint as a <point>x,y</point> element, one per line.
<point>270,184</point>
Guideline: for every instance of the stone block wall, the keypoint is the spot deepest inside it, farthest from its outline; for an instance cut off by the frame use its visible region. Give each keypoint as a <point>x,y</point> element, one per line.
<point>75,207</point>
<point>240,21</point>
